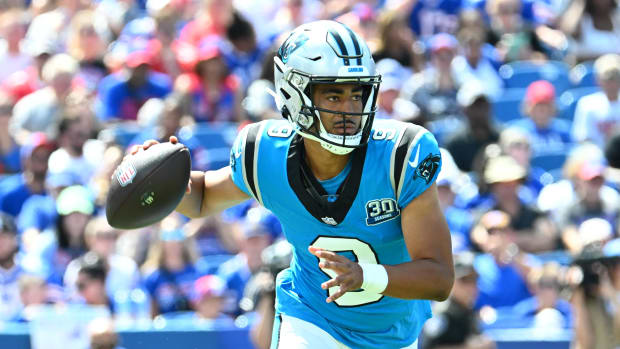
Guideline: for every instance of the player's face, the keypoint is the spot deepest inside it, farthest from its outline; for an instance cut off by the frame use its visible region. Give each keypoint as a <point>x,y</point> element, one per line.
<point>345,98</point>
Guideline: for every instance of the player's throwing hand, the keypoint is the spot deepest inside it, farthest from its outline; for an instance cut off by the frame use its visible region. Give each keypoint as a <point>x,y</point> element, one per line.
<point>350,274</point>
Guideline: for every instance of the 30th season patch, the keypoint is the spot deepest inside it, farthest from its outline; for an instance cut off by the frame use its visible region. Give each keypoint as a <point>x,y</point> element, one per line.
<point>427,168</point>
<point>381,210</point>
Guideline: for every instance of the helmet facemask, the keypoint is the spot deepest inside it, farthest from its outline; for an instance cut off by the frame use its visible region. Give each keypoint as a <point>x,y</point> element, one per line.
<point>307,119</point>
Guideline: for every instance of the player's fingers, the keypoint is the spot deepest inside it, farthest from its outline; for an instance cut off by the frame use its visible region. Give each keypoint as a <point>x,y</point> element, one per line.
<point>188,190</point>
<point>341,291</point>
<point>338,280</point>
<point>173,139</point>
<point>134,149</point>
<point>149,143</point>
<point>337,266</point>
<point>329,255</point>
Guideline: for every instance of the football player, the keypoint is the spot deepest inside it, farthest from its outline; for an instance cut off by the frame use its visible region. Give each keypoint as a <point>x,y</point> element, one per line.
<point>356,199</point>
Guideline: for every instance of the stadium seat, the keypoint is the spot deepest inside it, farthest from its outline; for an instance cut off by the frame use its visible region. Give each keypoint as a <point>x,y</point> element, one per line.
<point>568,101</point>
<point>582,75</point>
<point>507,107</point>
<point>522,73</point>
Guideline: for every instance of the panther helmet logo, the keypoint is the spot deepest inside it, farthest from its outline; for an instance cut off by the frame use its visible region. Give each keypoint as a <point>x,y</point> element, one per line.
<point>426,170</point>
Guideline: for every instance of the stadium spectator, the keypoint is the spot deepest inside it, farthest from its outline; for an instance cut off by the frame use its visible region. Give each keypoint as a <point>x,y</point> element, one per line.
<point>465,144</point>
<point>389,105</point>
<point>503,267</point>
<point>548,135</point>
<point>9,150</point>
<point>121,94</point>
<point>242,51</point>
<point>24,82</point>
<point>169,272</point>
<point>514,38</point>
<point>593,297</point>
<point>87,43</point>
<point>40,110</point>
<point>15,189</point>
<point>33,291</point>
<point>258,103</point>
<point>208,300</point>
<point>593,28</point>
<point>515,143</point>
<point>10,270</point>
<point>434,89</point>
<point>455,323</point>
<point>122,272</point>
<point>533,230</point>
<point>597,115</point>
<point>55,23</point>
<point>214,92</point>
<point>589,202</point>
<point>473,64</point>
<point>449,182</point>
<point>210,22</point>
<point>545,309</point>
<point>70,159</point>
<point>396,41</point>
<point>90,281</point>
<point>167,118</point>
<point>253,238</point>
<point>13,57</point>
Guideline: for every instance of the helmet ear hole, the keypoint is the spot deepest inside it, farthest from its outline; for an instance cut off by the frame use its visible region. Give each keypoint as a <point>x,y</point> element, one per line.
<point>285,94</point>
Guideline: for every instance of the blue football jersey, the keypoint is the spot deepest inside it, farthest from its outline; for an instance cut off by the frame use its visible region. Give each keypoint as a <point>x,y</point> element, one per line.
<point>362,222</point>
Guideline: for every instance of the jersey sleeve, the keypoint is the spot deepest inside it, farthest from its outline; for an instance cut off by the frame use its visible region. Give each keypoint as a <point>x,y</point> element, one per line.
<point>421,167</point>
<point>236,160</point>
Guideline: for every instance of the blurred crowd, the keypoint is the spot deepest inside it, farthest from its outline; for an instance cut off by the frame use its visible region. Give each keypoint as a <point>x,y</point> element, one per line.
<point>522,96</point>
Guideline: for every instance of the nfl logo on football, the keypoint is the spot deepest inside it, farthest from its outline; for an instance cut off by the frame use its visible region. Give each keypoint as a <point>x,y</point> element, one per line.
<point>125,174</point>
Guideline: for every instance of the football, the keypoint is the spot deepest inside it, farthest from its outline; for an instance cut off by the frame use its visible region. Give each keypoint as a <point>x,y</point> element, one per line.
<point>148,185</point>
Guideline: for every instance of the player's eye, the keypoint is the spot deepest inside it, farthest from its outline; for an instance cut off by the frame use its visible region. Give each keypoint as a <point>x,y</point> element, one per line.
<point>357,97</point>
<point>333,98</point>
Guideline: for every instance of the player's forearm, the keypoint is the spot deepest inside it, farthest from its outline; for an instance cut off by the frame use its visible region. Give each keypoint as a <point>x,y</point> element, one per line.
<point>419,279</point>
<point>191,203</point>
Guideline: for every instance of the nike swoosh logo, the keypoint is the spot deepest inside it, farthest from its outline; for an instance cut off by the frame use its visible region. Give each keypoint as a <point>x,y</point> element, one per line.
<point>414,163</point>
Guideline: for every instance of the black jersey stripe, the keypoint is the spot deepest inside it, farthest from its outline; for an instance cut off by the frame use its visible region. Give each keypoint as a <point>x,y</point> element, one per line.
<point>400,155</point>
<point>249,158</point>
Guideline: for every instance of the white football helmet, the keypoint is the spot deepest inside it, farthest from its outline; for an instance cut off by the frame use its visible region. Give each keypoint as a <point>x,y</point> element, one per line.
<point>324,52</point>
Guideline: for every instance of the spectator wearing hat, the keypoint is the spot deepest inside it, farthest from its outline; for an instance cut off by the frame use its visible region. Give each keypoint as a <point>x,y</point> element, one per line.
<point>9,150</point>
<point>589,202</point>
<point>41,110</point>
<point>434,89</point>
<point>121,94</point>
<point>455,323</point>
<point>10,270</point>
<point>253,237</point>
<point>169,272</point>
<point>208,299</point>
<point>612,155</point>
<point>515,143</point>
<point>467,143</point>
<point>533,230</point>
<point>122,274</point>
<point>597,115</point>
<point>17,188</point>
<point>549,136</point>
<point>503,267</point>
<point>215,92</point>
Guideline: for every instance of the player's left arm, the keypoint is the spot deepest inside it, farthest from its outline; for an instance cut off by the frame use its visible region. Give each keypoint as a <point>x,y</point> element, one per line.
<point>430,273</point>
